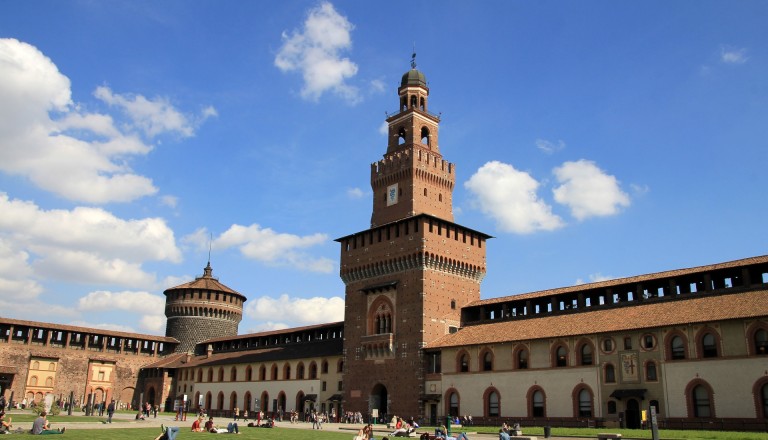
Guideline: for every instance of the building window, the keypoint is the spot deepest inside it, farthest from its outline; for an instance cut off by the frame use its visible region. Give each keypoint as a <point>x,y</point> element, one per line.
<point>522,359</point>
<point>650,372</point>
<point>248,373</point>
<point>611,407</point>
<point>324,385</point>
<point>324,367</point>
<point>586,354</point>
<point>702,406</point>
<point>453,405</point>
<point>300,371</point>
<point>464,363</point>
<point>649,342</point>
<point>233,375</point>
<point>708,346</point>
<point>538,404</point>
<point>433,361</point>
<point>677,347</point>
<point>493,404</point>
<point>488,361</point>
<point>607,345</point>
<point>610,373</point>
<point>561,356</point>
<point>585,403</point>
<point>764,399</point>
<point>761,342</point>
<point>627,343</point>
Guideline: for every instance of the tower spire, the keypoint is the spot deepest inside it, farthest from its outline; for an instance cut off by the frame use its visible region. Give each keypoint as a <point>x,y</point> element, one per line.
<point>413,56</point>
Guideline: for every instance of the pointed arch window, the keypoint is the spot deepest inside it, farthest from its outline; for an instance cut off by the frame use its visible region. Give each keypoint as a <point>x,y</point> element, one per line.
<point>764,400</point>
<point>488,361</point>
<point>585,354</point>
<point>521,359</point>
<point>492,404</point>
<point>610,373</point>
<point>677,347</point>
<point>538,404</point>
<point>453,404</point>
<point>708,345</point>
<point>561,356</point>
<point>584,403</point>
<point>464,363</point>
<point>425,136</point>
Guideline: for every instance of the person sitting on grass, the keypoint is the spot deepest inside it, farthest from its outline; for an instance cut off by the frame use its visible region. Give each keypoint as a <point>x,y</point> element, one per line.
<point>5,425</point>
<point>41,427</point>
<point>197,424</point>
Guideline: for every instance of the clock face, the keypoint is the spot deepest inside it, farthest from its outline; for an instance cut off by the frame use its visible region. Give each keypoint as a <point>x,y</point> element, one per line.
<point>392,192</point>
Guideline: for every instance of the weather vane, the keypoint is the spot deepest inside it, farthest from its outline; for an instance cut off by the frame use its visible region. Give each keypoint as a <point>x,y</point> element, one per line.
<point>413,57</point>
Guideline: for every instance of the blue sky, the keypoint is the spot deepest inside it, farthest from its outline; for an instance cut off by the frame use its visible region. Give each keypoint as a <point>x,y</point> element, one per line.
<point>592,139</point>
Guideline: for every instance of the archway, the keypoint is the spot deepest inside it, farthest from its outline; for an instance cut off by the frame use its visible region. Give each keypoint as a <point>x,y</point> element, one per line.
<point>633,414</point>
<point>378,399</point>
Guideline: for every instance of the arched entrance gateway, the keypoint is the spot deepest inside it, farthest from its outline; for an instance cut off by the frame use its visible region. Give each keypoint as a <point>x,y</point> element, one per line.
<point>378,399</point>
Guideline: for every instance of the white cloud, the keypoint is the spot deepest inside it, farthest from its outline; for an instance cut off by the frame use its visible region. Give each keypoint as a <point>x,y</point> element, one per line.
<point>152,117</point>
<point>594,278</point>
<point>295,311</point>
<point>588,191</point>
<point>355,193</point>
<point>378,86</point>
<point>169,201</point>
<point>315,51</point>
<point>269,246</point>
<point>80,156</point>
<point>549,147</point>
<point>384,128</point>
<point>730,55</point>
<point>509,197</point>
<point>16,275</point>
<point>85,245</point>
<point>150,307</point>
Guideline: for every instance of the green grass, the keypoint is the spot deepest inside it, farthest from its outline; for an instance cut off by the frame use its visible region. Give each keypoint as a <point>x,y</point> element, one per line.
<point>664,434</point>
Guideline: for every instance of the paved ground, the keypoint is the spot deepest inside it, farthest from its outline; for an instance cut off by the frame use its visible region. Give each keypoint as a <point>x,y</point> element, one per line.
<point>129,421</point>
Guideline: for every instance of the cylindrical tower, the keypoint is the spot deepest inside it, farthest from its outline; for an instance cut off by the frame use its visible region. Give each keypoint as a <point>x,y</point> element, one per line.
<point>202,309</point>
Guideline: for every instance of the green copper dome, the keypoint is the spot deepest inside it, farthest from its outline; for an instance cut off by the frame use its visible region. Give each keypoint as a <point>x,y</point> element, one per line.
<point>413,77</point>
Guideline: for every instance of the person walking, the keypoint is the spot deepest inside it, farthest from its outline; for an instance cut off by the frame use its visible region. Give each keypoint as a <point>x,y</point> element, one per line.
<point>110,411</point>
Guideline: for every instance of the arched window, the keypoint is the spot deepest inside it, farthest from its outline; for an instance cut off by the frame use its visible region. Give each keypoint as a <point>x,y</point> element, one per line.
<point>561,356</point>
<point>274,372</point>
<point>702,406</point>
<point>761,342</point>
<point>233,374</point>
<point>262,373</point>
<point>677,347</point>
<point>248,373</point>
<point>453,404</point>
<point>313,370</point>
<point>585,354</point>
<point>49,382</point>
<point>300,371</point>
<point>401,136</point>
<point>707,342</point>
<point>521,358</point>
<point>463,363</point>
<point>610,373</point>
<point>583,402</point>
<point>650,372</point>
<point>537,403</point>
<point>488,361</point>
<point>324,367</point>
<point>221,374</point>
<point>200,375</point>
<point>425,135</point>
<point>210,374</point>
<point>35,365</point>
<point>492,403</point>
<point>287,371</point>
<point>764,400</point>
<point>33,381</point>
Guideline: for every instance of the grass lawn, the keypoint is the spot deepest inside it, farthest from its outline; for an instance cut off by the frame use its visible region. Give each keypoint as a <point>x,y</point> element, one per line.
<point>335,434</point>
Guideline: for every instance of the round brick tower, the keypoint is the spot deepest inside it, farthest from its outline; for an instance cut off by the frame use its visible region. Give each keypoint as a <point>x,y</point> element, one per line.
<point>201,310</point>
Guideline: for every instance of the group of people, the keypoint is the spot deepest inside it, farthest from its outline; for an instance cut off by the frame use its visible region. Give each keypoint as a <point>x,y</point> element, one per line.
<point>402,428</point>
<point>210,426</point>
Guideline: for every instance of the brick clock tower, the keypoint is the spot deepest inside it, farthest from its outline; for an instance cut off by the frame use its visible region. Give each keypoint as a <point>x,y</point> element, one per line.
<point>408,276</point>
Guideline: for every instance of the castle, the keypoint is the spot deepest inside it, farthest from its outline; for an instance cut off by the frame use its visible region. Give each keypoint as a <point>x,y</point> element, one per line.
<point>417,339</point>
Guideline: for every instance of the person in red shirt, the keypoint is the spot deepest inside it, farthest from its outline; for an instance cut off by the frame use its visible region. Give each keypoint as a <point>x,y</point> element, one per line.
<point>196,427</point>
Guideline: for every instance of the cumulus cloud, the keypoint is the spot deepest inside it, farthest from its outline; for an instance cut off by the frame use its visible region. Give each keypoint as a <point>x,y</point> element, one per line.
<point>267,246</point>
<point>588,191</point>
<point>152,117</point>
<point>16,275</point>
<point>294,311</point>
<point>549,147</point>
<point>86,245</point>
<point>509,197</point>
<point>150,306</point>
<point>731,55</point>
<point>76,155</point>
<point>315,51</point>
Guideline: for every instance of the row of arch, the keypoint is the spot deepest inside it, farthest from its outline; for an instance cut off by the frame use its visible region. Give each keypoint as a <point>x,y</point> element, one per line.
<point>181,295</point>
<point>414,261</point>
<point>699,399</point>
<point>707,343</point>
<point>303,371</point>
<point>206,312</point>
<point>302,402</point>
